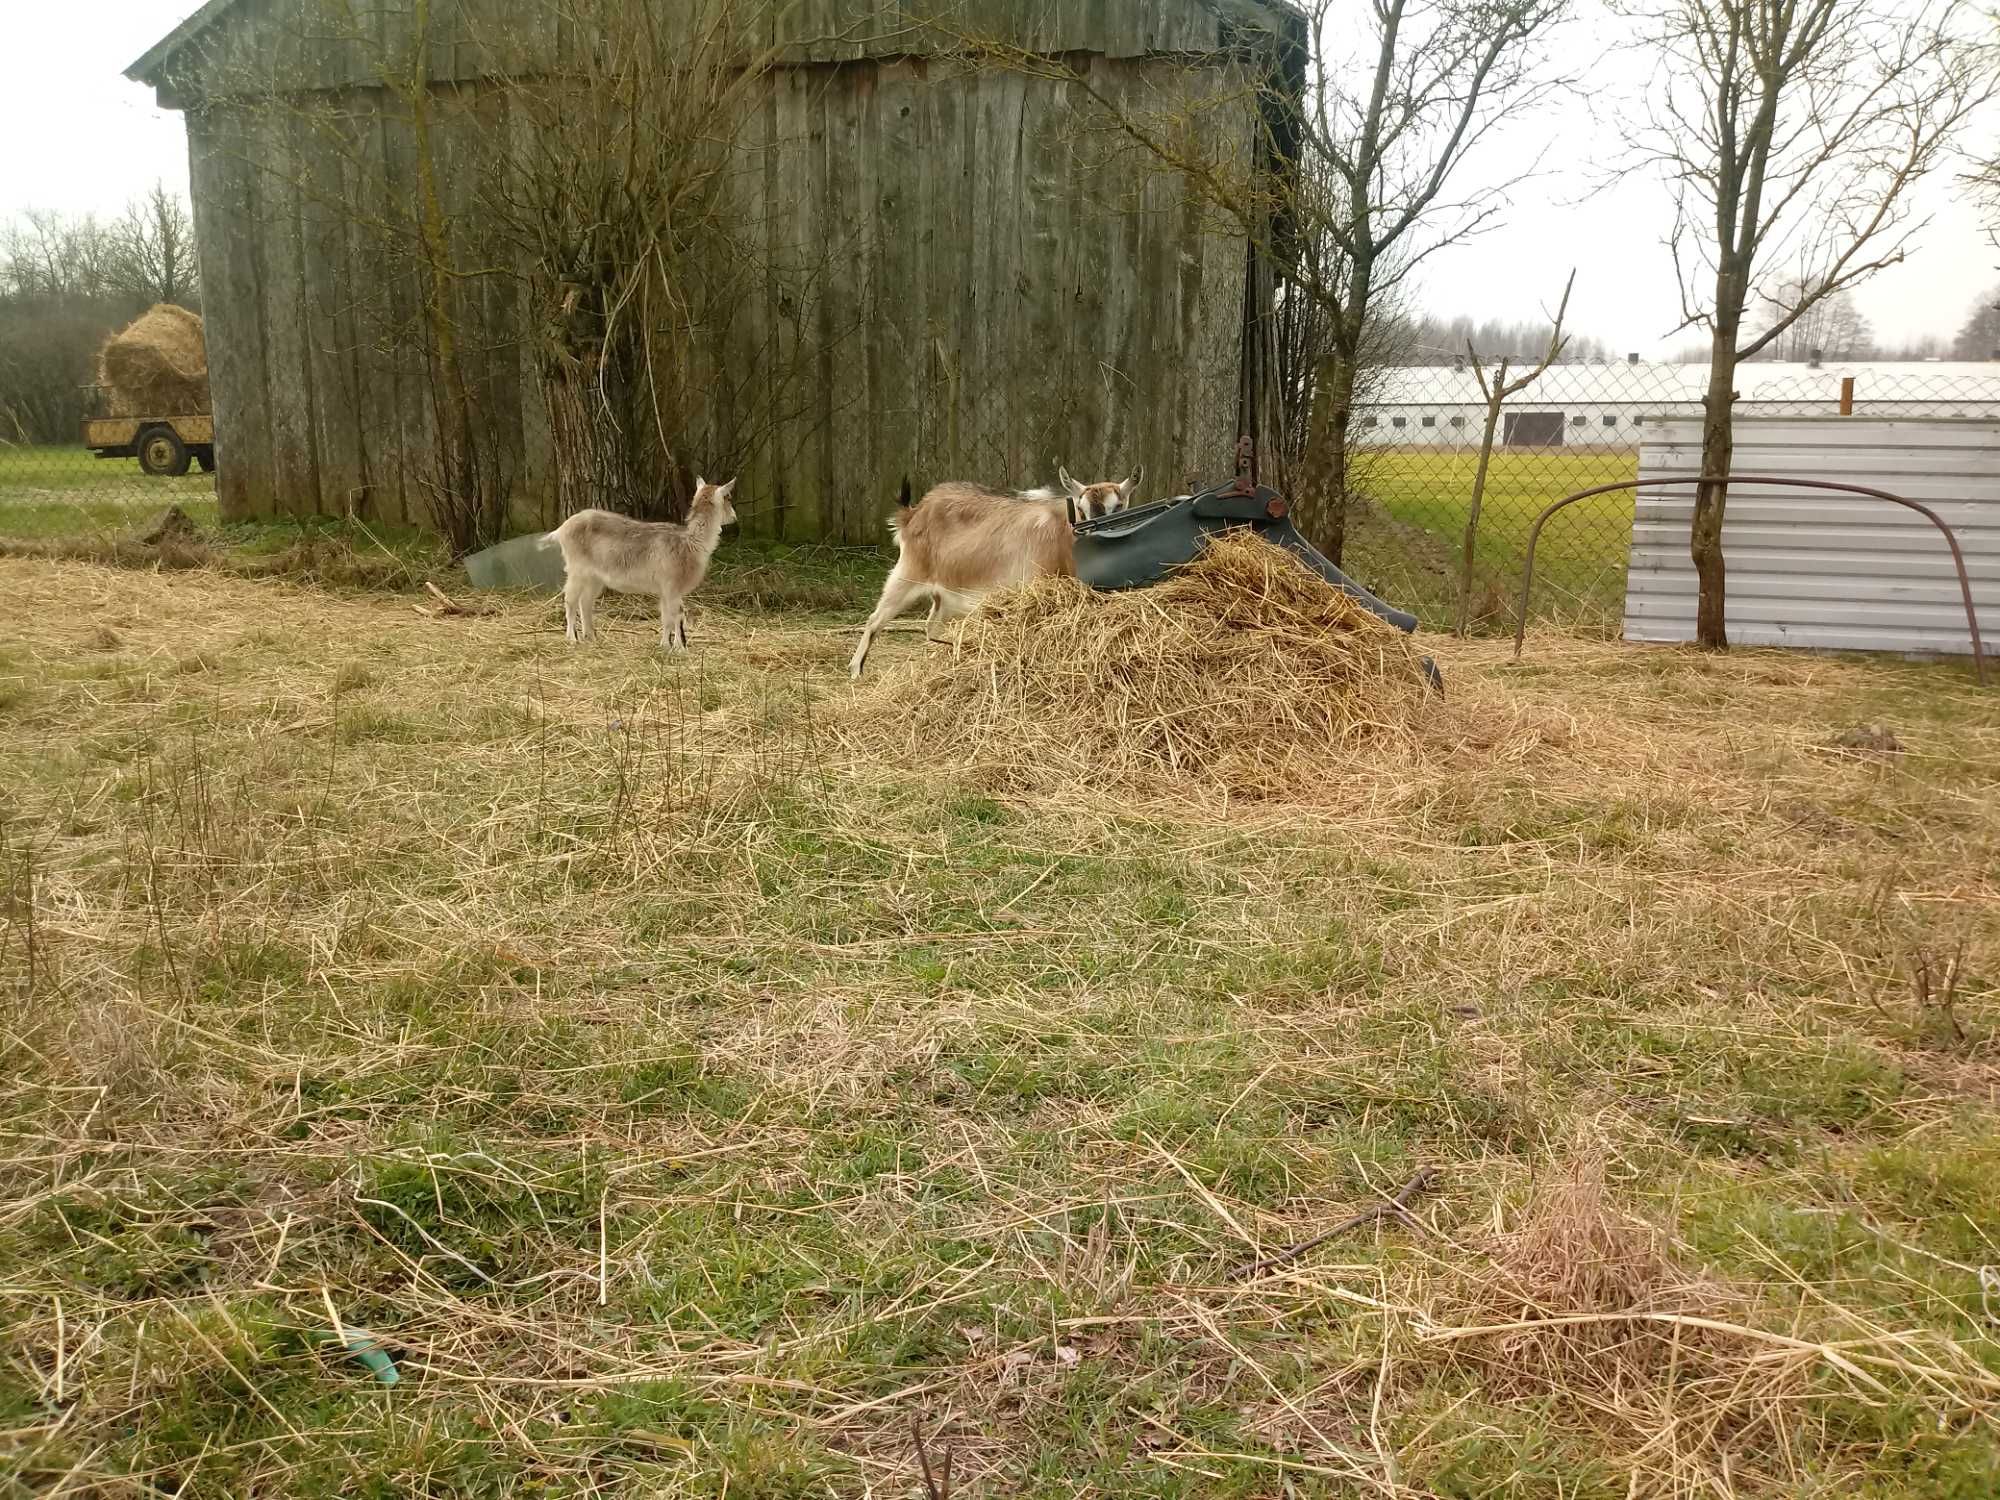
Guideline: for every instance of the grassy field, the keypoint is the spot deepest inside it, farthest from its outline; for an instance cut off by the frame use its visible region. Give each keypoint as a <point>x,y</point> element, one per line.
<point>689,1096</point>
<point>1414,548</point>
<point>1407,546</point>
<point>48,491</point>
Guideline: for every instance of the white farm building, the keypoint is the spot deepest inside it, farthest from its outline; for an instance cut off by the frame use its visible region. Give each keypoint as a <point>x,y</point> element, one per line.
<point>1610,405</point>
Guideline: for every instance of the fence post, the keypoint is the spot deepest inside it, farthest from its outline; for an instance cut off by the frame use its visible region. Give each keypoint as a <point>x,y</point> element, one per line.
<point>1847,395</point>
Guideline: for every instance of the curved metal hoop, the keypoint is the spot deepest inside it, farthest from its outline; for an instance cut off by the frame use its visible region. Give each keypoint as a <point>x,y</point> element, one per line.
<point>1950,539</point>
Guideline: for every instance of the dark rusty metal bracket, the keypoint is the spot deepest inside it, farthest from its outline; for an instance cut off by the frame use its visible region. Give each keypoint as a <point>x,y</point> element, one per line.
<point>1246,455</point>
<point>1950,539</point>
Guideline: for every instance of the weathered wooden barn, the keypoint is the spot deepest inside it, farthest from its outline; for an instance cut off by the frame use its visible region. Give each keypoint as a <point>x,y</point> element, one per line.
<point>1008,284</point>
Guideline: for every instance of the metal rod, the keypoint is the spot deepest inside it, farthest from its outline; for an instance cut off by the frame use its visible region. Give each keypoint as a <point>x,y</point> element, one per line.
<point>1950,539</point>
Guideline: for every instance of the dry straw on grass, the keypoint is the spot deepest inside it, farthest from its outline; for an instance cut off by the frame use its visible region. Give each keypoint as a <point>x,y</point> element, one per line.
<point>1243,672</point>
<point>1586,1306</point>
<point>1574,1258</point>
<point>157,365</point>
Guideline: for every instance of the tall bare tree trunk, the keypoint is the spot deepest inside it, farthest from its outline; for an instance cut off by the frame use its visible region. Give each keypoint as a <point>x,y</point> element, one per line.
<point>1337,392</point>
<point>1718,455</point>
<point>1325,463</point>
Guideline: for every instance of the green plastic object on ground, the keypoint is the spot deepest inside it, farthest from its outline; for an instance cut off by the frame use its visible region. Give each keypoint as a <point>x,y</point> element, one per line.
<point>523,562</point>
<point>367,1349</point>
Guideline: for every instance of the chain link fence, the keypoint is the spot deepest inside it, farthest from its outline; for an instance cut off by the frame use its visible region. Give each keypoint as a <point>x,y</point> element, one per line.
<point>53,489</point>
<point>1411,524</point>
<point>1416,535</point>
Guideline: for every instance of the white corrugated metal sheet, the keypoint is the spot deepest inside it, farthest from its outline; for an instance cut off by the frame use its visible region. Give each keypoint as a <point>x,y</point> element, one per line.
<point>1816,569</point>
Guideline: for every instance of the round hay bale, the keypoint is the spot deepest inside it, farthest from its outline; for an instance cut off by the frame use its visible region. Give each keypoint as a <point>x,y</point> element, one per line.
<point>1244,672</point>
<point>156,366</point>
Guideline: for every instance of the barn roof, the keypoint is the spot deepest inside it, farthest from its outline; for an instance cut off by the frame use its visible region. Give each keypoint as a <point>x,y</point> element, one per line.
<point>152,63</point>
<point>154,66</point>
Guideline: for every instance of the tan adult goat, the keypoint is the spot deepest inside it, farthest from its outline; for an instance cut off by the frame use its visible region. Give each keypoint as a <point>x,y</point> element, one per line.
<point>961,541</point>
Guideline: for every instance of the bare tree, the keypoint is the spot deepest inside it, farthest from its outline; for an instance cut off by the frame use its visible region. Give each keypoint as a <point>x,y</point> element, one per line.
<point>155,259</point>
<point>1980,337</point>
<point>1793,131</point>
<point>1831,327</point>
<point>1427,339</point>
<point>1923,346</point>
<point>1395,117</point>
<point>1984,181</point>
<point>1496,388</point>
<point>43,254</point>
<point>1305,324</point>
<point>1395,104</point>
<point>624,217</point>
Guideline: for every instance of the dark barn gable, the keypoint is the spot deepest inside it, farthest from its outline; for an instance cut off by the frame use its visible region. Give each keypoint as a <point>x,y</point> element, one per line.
<point>999,286</point>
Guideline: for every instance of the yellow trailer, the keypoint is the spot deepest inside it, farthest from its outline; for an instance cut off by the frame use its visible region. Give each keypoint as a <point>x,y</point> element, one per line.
<point>164,444</point>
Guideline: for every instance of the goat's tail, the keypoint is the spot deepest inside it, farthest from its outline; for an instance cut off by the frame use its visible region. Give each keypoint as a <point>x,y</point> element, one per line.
<point>904,505</point>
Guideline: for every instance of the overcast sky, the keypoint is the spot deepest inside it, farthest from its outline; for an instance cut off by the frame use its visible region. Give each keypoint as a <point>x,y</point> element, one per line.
<point>85,139</point>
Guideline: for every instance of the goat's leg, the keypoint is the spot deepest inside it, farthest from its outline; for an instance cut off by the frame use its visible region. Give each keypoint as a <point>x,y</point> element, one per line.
<point>572,608</point>
<point>946,606</point>
<point>897,595</point>
<point>673,628</point>
<point>586,609</point>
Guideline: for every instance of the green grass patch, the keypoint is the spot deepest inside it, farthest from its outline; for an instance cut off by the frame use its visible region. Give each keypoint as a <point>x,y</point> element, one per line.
<point>684,1096</point>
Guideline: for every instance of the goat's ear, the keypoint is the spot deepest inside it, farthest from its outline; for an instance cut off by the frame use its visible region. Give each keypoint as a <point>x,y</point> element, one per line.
<point>700,484</point>
<point>1131,484</point>
<point>1068,483</point>
<point>727,490</point>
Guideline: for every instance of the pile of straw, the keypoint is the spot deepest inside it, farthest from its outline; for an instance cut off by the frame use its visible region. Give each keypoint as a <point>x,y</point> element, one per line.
<point>1586,1287</point>
<point>157,366</point>
<point>1588,1308</point>
<point>1244,671</point>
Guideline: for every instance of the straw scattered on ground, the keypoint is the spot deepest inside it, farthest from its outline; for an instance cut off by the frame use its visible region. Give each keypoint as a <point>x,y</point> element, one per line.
<point>1243,673</point>
<point>687,1099</point>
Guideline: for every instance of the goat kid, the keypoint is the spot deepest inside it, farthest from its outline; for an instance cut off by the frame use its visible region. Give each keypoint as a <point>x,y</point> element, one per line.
<point>603,550</point>
<point>961,541</point>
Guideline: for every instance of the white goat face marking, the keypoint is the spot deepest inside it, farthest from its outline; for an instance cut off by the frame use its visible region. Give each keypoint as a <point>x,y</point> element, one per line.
<point>1094,500</point>
<point>1101,500</point>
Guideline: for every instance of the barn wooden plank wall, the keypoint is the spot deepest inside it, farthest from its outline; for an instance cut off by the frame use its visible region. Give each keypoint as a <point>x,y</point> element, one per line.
<point>993,284</point>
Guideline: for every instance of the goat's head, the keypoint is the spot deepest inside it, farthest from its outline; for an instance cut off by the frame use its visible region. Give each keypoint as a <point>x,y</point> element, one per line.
<point>1094,500</point>
<point>716,495</point>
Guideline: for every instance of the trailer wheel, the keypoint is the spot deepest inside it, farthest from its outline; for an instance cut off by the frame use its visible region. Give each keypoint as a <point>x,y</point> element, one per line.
<point>162,452</point>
